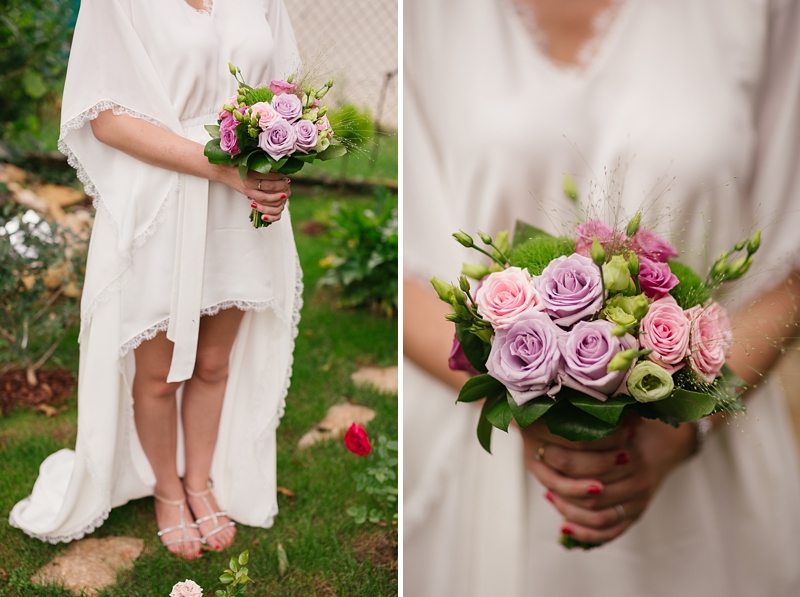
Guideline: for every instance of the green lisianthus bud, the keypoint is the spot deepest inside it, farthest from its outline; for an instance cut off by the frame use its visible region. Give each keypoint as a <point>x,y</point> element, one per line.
<point>616,277</point>
<point>443,289</point>
<point>329,83</point>
<point>453,317</point>
<point>484,334</point>
<point>476,271</point>
<point>619,331</point>
<point>323,143</point>
<point>459,308</point>
<point>720,265</point>
<point>495,267</point>
<point>639,306</point>
<point>648,382</point>
<point>598,253</point>
<point>229,107</point>
<point>623,360</point>
<point>487,240</point>
<point>321,93</point>
<point>502,242</point>
<point>290,78</point>
<point>463,283</point>
<point>464,238</point>
<point>754,243</point>
<point>739,267</point>
<point>633,264</point>
<point>231,68</point>
<point>633,225</point>
<point>322,111</point>
<point>740,245</point>
<point>238,116</point>
<point>253,132</point>
<point>619,316</point>
<point>570,188</point>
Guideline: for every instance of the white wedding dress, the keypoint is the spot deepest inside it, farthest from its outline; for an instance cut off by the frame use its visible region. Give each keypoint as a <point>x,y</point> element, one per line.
<point>166,249</point>
<point>688,108</point>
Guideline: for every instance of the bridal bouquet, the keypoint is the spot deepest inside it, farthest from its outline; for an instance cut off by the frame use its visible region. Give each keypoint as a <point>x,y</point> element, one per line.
<point>582,331</point>
<point>276,128</point>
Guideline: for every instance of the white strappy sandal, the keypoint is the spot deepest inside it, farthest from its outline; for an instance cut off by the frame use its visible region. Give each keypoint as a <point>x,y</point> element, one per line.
<point>214,516</point>
<point>181,527</point>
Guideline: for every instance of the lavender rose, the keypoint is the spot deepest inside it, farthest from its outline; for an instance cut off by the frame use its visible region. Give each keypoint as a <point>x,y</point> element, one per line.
<point>306,134</point>
<point>587,350</point>
<point>289,106</point>
<point>278,140</point>
<point>525,357</point>
<point>227,136</point>
<point>571,289</point>
<point>656,279</point>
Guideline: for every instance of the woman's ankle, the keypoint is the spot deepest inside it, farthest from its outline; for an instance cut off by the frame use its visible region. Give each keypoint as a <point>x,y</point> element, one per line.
<point>171,489</point>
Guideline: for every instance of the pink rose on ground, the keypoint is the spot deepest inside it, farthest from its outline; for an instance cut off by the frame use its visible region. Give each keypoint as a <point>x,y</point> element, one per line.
<point>323,124</point>
<point>609,238</point>
<point>227,136</point>
<point>278,140</point>
<point>503,296</point>
<point>458,361</point>
<point>665,331</point>
<point>266,115</point>
<point>279,87</point>
<point>656,279</point>
<point>306,134</point>
<point>187,588</point>
<point>525,357</point>
<point>571,289</point>
<point>289,106</point>
<point>587,350</point>
<point>646,243</point>
<point>711,339</point>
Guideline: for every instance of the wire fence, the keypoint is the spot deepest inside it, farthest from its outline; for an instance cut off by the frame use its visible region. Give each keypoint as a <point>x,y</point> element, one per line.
<point>354,41</point>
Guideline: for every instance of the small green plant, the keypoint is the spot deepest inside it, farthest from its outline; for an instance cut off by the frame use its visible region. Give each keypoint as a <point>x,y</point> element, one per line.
<point>235,578</point>
<point>363,263</point>
<point>379,481</point>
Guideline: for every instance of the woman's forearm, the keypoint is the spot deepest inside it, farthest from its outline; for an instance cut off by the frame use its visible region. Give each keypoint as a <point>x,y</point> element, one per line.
<point>427,336</point>
<point>156,146</point>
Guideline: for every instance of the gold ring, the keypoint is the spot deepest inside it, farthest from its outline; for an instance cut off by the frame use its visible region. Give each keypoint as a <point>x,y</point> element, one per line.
<point>540,453</point>
<point>621,515</point>
<point>259,184</point>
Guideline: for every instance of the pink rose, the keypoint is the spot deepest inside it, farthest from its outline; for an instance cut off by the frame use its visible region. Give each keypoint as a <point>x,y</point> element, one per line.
<point>281,87</point>
<point>227,136</point>
<point>458,361</point>
<point>646,243</point>
<point>711,339</point>
<point>665,331</point>
<point>323,124</point>
<point>187,588</point>
<point>609,238</point>
<point>266,115</point>
<point>656,279</point>
<point>505,295</point>
<point>224,114</point>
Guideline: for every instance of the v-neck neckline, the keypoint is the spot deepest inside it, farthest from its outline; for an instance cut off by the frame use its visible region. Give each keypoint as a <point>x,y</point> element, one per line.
<point>607,24</point>
<point>205,11</point>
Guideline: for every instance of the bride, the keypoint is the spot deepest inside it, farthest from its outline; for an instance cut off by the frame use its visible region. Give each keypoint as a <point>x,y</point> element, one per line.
<point>690,110</point>
<point>189,314</point>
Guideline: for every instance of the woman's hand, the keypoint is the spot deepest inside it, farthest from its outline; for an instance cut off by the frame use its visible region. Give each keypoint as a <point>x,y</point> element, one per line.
<point>268,193</point>
<point>603,487</point>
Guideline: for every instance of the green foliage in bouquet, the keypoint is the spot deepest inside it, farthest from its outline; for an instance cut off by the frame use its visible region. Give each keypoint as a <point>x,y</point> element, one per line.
<point>41,271</point>
<point>379,481</point>
<point>34,46</point>
<point>353,125</point>
<point>364,259</point>
<point>691,290</point>
<point>536,254</point>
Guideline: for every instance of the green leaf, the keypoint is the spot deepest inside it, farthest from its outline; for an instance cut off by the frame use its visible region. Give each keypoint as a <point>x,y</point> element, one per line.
<point>306,157</point>
<point>500,416</point>
<point>226,579</point>
<point>234,565</point>
<point>243,170</point>
<point>531,411</point>
<point>524,232</point>
<point>480,387</point>
<point>213,130</point>
<point>333,151</point>
<point>220,593</point>
<point>291,166</point>
<point>244,557</point>
<point>283,560</point>
<point>33,84</point>
<point>574,424</point>
<point>215,154</point>
<point>475,349</point>
<point>260,163</point>
<point>484,426</point>
<point>609,411</point>
<point>684,406</point>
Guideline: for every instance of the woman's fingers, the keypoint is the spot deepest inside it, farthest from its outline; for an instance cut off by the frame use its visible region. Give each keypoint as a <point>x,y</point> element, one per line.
<point>604,518</point>
<point>270,183</point>
<point>566,487</point>
<point>607,465</point>
<point>269,199</point>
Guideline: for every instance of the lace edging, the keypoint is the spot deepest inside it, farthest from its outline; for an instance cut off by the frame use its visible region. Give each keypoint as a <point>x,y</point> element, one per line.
<point>54,539</point>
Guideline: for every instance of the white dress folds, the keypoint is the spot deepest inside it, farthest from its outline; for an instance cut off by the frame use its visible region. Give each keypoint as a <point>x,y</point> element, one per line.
<point>689,109</point>
<point>167,249</point>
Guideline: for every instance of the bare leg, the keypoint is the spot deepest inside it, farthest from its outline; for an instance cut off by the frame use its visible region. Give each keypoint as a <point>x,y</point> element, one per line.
<point>200,413</point>
<point>156,416</point>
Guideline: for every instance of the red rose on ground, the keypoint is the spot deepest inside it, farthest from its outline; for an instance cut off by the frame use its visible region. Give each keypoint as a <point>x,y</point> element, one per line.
<point>357,440</point>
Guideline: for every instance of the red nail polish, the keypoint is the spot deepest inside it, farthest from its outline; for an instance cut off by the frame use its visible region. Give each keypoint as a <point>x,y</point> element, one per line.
<point>265,218</point>
<point>565,530</point>
<point>595,490</point>
<point>254,205</point>
<point>622,458</point>
<point>549,496</point>
<point>283,196</point>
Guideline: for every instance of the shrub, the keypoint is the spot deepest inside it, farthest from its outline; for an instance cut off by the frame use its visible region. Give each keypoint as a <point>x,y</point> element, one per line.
<point>363,263</point>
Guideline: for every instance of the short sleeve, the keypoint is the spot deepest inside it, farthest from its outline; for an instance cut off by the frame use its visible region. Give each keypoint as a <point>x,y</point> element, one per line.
<point>286,57</point>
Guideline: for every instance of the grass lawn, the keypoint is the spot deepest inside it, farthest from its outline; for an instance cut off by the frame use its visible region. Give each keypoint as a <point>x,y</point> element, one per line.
<point>328,553</point>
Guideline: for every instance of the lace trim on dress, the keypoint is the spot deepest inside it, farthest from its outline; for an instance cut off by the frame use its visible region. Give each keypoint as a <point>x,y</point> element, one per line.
<point>601,24</point>
<point>54,539</point>
<point>208,5</point>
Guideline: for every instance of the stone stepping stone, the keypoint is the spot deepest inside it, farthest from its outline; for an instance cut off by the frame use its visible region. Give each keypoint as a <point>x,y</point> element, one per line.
<point>336,422</point>
<point>383,379</point>
<point>89,565</point>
